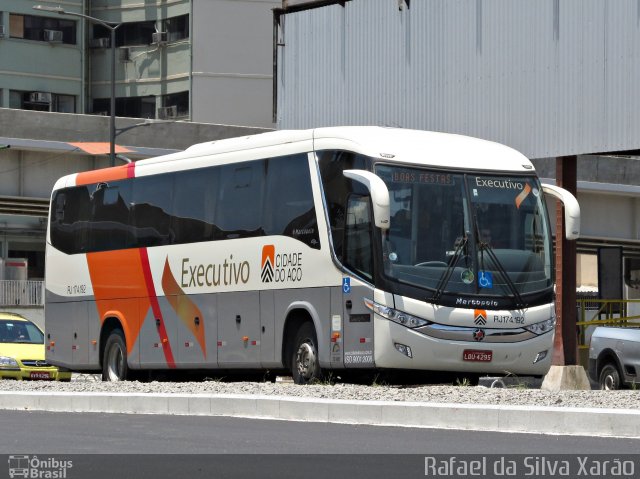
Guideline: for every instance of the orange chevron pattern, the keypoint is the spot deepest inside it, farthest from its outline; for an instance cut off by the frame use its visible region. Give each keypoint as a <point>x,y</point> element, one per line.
<point>523,195</point>
<point>183,306</point>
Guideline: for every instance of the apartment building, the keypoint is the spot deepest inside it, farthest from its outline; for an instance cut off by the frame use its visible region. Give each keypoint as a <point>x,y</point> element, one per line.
<point>206,61</point>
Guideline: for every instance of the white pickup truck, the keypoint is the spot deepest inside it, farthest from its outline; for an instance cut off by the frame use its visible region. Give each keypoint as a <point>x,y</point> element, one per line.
<point>614,357</point>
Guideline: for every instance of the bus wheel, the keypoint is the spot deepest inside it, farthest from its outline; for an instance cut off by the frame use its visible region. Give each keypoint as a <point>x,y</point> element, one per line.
<point>305,367</point>
<point>114,363</point>
<point>609,377</point>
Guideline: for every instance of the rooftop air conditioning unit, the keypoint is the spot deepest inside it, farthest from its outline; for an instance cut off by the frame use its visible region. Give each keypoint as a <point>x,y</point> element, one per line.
<point>159,38</point>
<point>40,97</point>
<point>100,42</point>
<point>1,31</point>
<point>167,112</point>
<point>53,36</point>
<point>125,54</point>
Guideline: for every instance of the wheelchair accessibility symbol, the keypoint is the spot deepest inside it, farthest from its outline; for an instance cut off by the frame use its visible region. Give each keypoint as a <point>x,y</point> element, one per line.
<point>485,279</point>
<point>346,285</point>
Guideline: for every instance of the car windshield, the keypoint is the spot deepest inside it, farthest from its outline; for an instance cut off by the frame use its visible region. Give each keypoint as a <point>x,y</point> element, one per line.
<point>466,233</point>
<point>21,332</point>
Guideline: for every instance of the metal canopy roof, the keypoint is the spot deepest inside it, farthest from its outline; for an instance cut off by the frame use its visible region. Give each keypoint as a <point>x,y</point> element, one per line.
<point>91,148</point>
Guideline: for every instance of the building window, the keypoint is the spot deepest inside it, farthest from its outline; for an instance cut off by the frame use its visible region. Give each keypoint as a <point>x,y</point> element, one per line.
<point>64,103</point>
<point>132,107</point>
<point>128,34</point>
<point>173,106</point>
<point>43,29</point>
<point>177,28</point>
<point>141,33</point>
<point>177,104</point>
<point>15,99</point>
<point>42,101</point>
<point>33,253</point>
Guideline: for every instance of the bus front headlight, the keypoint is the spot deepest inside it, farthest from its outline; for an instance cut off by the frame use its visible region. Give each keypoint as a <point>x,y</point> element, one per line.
<point>396,316</point>
<point>542,327</point>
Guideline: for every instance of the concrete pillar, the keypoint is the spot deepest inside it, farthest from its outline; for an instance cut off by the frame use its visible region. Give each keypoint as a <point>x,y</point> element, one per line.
<point>566,344</point>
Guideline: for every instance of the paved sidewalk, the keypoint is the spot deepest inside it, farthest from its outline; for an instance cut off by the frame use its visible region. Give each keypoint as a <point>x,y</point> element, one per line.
<point>480,417</point>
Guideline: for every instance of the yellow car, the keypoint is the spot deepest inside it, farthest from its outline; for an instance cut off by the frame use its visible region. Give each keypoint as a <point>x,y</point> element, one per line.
<point>22,351</point>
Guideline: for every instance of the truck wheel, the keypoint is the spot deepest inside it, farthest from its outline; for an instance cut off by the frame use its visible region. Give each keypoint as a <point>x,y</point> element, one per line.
<point>114,361</point>
<point>305,366</point>
<point>610,377</point>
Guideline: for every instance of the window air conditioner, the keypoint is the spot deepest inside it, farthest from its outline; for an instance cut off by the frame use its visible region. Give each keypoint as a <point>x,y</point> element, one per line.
<point>40,97</point>
<point>53,36</point>
<point>159,38</point>
<point>167,112</point>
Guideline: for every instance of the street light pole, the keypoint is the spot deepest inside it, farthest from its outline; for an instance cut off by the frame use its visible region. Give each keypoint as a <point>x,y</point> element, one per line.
<point>112,108</point>
<point>112,26</point>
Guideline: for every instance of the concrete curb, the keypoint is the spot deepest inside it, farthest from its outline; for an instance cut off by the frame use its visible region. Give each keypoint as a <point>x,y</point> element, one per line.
<point>530,419</point>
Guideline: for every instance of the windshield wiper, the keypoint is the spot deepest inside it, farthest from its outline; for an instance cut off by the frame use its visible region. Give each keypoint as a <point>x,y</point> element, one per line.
<point>446,275</point>
<point>482,247</point>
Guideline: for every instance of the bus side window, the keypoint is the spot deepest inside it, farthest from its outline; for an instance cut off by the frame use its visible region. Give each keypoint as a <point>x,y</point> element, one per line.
<point>70,220</point>
<point>151,210</point>
<point>110,226</point>
<point>239,208</point>
<point>358,245</point>
<point>59,203</point>
<point>289,208</point>
<point>194,205</point>
<point>337,188</point>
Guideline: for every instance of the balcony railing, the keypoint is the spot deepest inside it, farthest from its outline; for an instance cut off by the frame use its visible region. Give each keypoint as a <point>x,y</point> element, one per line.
<point>21,293</point>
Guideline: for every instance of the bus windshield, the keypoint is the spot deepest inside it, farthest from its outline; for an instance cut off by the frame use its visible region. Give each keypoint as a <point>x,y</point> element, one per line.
<point>466,233</point>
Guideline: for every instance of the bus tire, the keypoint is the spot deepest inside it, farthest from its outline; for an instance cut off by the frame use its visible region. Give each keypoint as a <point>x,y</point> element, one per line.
<point>305,364</point>
<point>114,361</point>
<point>609,378</point>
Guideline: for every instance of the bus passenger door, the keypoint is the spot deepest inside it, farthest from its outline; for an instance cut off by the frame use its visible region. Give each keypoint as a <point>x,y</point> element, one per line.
<point>358,324</point>
<point>358,257</point>
<point>239,329</point>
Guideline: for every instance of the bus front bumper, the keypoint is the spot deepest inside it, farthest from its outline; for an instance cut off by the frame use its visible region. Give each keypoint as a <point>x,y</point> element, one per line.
<point>393,344</point>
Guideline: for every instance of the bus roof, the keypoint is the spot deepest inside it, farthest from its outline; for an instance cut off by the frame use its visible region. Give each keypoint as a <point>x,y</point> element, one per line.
<point>421,148</point>
<point>426,148</point>
<point>404,145</point>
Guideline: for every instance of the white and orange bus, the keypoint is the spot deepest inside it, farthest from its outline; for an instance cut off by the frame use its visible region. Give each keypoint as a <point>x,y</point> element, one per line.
<point>326,249</point>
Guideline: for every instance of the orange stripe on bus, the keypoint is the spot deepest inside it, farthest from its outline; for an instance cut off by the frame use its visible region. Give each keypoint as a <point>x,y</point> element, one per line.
<point>106,174</point>
<point>120,289</point>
